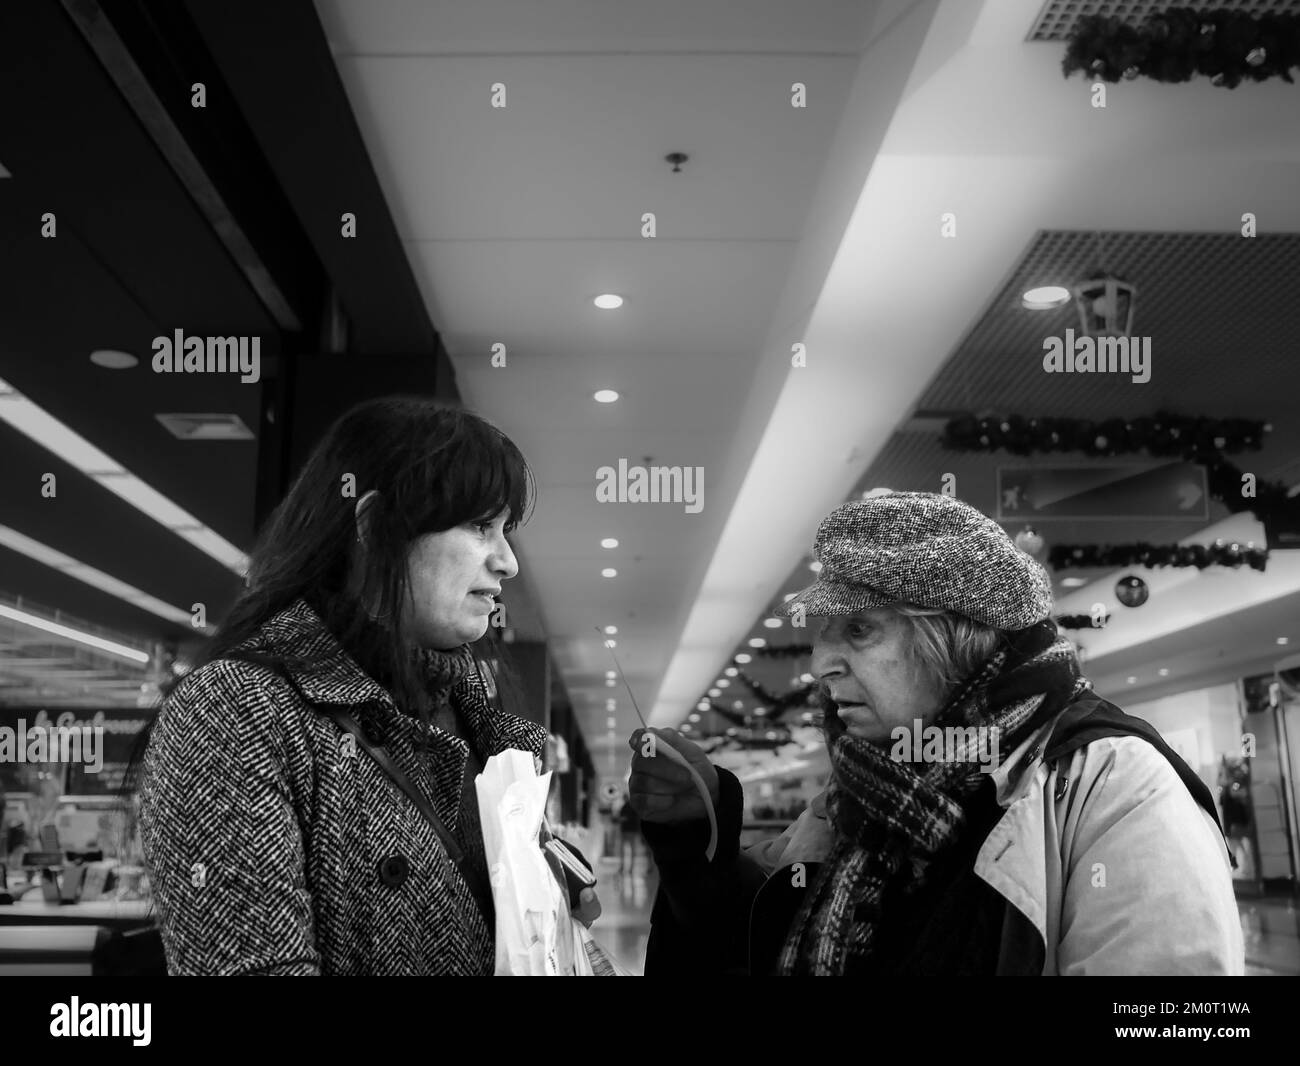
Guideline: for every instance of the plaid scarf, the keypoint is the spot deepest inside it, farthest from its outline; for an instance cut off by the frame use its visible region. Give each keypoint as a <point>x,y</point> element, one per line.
<point>892,820</point>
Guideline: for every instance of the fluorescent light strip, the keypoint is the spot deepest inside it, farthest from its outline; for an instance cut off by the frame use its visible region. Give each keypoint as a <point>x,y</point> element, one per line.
<point>34,549</point>
<point>47,431</point>
<point>44,624</point>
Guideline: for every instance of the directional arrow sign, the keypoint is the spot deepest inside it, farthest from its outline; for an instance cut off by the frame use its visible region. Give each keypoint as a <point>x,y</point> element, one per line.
<point>1117,492</point>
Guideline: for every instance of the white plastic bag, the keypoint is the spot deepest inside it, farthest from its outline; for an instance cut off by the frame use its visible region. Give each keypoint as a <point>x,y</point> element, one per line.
<point>535,933</point>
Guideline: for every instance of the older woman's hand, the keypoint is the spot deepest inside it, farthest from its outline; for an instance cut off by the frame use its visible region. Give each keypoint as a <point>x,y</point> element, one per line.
<point>587,909</point>
<point>661,789</point>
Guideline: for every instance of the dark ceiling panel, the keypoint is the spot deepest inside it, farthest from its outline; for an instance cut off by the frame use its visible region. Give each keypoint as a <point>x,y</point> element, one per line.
<point>279,67</point>
<point>72,143</point>
<point>115,410</point>
<point>135,257</point>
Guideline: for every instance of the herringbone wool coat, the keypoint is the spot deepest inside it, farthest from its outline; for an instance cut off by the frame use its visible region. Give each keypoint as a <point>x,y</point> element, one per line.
<point>276,846</point>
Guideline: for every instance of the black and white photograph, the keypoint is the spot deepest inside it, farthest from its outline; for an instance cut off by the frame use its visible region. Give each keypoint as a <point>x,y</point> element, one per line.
<point>691,489</point>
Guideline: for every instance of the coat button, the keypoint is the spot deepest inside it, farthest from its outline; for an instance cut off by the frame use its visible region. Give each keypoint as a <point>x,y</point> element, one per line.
<point>373,731</point>
<point>394,870</point>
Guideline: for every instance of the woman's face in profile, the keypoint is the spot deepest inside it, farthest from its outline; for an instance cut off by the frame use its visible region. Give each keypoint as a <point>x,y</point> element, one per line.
<point>865,664</point>
<point>454,576</point>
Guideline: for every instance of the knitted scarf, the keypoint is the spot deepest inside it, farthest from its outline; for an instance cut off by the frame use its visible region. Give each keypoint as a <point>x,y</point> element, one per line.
<point>893,819</point>
<point>438,671</point>
<point>444,670</point>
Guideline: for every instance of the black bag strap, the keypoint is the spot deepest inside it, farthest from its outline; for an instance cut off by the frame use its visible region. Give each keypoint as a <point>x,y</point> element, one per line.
<point>345,721</point>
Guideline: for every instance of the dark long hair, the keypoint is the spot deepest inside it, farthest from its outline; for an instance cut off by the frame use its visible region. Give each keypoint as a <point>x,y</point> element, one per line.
<point>433,468</point>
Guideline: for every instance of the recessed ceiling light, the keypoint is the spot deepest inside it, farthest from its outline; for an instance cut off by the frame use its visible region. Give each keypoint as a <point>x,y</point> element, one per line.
<point>609,542</point>
<point>611,630</point>
<point>612,723</point>
<point>111,359</point>
<point>686,727</point>
<point>772,623</point>
<point>715,692</point>
<point>722,682</point>
<point>1284,640</point>
<point>1132,680</point>
<point>1073,582</point>
<point>1045,298</point>
<point>609,571</point>
<point>703,705</point>
<point>608,301</point>
<point>605,396</point>
<point>757,642</point>
<point>731,671</point>
<point>744,657</point>
<point>1163,671</point>
<point>610,683</point>
<point>695,718</point>
<point>610,675</point>
<point>206,427</point>
<point>611,705</point>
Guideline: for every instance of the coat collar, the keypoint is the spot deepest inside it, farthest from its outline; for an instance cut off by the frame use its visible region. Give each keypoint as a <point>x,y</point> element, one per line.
<point>326,673</point>
<point>1014,775</point>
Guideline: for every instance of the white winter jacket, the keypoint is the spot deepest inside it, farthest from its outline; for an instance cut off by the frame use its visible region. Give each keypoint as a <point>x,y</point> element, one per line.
<point>1105,853</point>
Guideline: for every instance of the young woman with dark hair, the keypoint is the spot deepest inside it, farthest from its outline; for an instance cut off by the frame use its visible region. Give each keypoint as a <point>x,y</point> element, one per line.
<point>306,799</point>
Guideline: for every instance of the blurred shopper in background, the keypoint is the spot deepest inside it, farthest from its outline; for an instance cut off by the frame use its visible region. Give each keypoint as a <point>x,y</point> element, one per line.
<point>1078,843</point>
<point>277,833</point>
<point>629,825</point>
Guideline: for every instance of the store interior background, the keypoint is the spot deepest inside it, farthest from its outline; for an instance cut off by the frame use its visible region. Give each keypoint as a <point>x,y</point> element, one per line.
<point>477,227</point>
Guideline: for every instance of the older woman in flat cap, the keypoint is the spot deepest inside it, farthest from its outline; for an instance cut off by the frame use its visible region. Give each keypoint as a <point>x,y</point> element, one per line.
<point>987,812</point>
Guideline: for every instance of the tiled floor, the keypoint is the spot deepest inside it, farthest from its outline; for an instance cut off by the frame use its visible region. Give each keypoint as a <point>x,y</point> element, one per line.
<point>625,901</point>
<point>1270,927</point>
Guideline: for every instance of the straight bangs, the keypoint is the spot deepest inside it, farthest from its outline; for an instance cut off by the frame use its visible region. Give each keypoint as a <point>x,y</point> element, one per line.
<point>478,474</point>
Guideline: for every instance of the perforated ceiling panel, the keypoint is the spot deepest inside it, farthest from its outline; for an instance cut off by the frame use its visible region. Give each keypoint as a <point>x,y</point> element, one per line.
<point>1057,18</point>
<point>1222,312</point>
<point>1223,315</point>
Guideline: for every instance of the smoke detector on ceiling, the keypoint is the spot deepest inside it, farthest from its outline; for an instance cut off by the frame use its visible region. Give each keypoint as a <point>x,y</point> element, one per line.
<point>206,427</point>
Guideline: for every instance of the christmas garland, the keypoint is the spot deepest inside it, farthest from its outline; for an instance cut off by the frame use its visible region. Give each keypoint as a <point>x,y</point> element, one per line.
<point>1065,556</point>
<point>1080,621</point>
<point>1164,435</point>
<point>784,651</point>
<point>746,734</point>
<point>776,705</point>
<point>1176,45</point>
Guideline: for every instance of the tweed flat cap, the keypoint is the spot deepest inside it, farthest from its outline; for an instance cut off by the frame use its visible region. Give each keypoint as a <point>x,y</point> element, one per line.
<point>925,549</point>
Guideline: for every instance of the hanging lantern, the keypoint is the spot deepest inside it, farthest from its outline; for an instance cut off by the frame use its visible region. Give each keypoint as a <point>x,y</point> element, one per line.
<point>1106,305</point>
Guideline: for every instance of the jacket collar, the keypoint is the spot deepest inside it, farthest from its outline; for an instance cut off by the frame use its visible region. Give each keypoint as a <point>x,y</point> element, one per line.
<point>1014,775</point>
<point>326,673</point>
<point>314,658</point>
